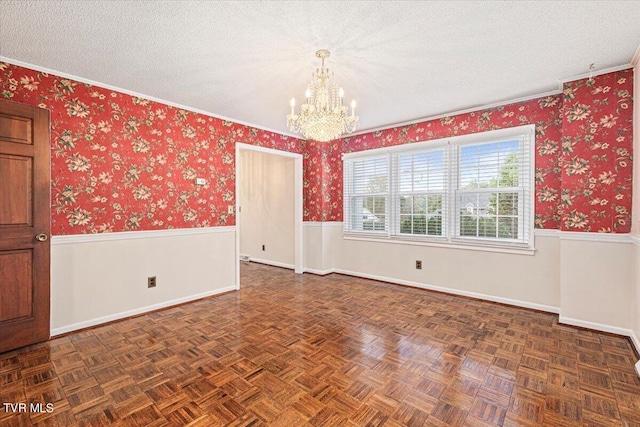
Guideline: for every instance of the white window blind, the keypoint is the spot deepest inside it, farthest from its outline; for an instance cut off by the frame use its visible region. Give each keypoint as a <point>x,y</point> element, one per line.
<point>493,190</point>
<point>421,187</point>
<point>471,190</point>
<point>366,201</point>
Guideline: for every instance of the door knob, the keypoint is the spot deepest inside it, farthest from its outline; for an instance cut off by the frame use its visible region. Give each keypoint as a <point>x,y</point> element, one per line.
<point>41,237</point>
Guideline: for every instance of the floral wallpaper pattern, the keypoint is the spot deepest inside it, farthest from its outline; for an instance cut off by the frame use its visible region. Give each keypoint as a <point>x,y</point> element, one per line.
<point>543,112</point>
<point>583,150</point>
<point>122,163</point>
<point>597,133</point>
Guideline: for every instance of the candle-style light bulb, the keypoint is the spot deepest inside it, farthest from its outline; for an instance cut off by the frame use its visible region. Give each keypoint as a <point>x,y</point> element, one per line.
<point>293,104</point>
<point>353,108</point>
<point>307,94</point>
<point>340,95</point>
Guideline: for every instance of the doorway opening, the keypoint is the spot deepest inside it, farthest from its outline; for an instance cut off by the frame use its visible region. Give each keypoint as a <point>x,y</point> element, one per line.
<point>295,181</point>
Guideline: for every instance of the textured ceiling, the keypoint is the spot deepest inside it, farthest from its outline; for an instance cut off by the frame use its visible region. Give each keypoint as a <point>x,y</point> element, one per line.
<point>400,60</point>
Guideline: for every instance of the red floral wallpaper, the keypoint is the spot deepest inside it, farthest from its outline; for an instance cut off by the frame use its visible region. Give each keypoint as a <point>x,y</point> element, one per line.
<point>543,112</point>
<point>583,152</point>
<point>120,163</point>
<point>125,163</point>
<point>597,133</point>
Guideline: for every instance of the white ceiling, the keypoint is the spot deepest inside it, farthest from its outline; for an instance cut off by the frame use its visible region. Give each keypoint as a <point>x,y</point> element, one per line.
<point>401,61</point>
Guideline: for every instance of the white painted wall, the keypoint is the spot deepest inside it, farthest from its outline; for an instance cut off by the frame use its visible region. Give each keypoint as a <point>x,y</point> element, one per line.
<point>635,303</point>
<point>526,280</point>
<point>314,260</point>
<point>596,283</point>
<point>322,239</point>
<point>99,278</point>
<point>267,215</point>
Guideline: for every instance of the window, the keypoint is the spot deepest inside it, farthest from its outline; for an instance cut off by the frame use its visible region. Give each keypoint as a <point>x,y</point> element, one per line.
<point>471,190</point>
<point>368,194</point>
<point>489,193</point>
<point>421,192</point>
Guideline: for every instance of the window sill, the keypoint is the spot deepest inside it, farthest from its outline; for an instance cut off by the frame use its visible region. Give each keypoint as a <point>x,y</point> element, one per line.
<point>442,243</point>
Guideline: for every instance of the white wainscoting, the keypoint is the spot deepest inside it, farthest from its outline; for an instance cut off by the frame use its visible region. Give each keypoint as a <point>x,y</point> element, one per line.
<point>636,287</point>
<point>596,283</point>
<point>99,278</point>
<point>103,277</point>
<point>527,281</point>
<point>509,301</point>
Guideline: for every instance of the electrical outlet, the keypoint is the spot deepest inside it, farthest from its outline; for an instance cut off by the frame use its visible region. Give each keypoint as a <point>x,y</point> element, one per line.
<point>638,368</point>
<point>263,247</point>
<point>230,209</point>
<point>151,282</point>
<point>418,265</point>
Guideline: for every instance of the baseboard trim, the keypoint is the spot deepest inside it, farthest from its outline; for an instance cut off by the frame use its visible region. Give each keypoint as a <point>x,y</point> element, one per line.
<point>501,300</point>
<point>636,343</point>
<point>318,272</point>
<point>273,263</point>
<point>595,326</point>
<point>142,310</point>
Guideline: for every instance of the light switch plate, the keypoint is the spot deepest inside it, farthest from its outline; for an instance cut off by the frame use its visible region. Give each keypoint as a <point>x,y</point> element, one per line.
<point>201,181</point>
<point>230,210</point>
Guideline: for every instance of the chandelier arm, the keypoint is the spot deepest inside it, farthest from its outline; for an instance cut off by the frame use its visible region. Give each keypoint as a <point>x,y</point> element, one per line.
<point>323,117</point>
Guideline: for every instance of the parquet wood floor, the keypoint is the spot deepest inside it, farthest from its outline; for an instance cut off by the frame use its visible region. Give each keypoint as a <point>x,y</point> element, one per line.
<point>291,350</point>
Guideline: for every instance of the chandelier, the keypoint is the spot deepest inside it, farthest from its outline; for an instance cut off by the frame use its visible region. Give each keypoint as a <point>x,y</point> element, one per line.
<point>322,117</point>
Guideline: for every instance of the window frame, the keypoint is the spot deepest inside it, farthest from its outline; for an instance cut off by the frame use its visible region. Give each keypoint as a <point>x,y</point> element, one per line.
<point>451,215</point>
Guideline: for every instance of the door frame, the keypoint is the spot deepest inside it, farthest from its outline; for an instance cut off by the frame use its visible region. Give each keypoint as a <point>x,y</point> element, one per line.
<point>298,230</point>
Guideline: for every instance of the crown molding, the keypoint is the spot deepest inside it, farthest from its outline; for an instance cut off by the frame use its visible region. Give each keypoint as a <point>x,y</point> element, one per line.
<point>595,73</point>
<point>140,95</point>
<point>561,82</point>
<point>455,113</point>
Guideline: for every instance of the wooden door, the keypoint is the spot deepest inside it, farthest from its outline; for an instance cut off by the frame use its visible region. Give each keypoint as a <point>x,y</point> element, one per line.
<point>24,225</point>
